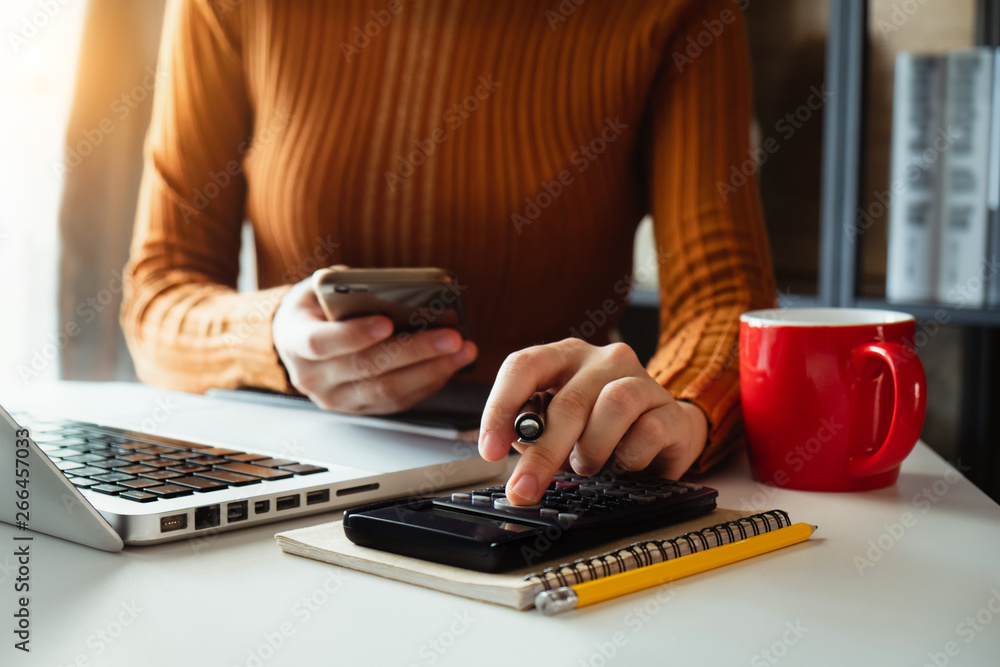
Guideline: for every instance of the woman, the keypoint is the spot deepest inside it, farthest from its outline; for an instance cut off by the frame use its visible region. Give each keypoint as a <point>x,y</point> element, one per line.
<point>516,144</point>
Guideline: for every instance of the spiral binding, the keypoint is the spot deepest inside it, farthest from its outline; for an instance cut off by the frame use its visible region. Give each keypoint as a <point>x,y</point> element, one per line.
<point>641,554</point>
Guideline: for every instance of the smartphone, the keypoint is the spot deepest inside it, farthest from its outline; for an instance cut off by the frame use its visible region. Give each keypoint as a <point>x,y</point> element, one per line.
<point>415,299</point>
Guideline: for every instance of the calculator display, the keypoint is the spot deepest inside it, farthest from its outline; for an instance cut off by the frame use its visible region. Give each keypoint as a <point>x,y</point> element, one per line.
<point>481,520</point>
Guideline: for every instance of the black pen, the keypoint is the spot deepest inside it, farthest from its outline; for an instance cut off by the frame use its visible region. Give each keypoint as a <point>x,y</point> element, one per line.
<point>530,421</point>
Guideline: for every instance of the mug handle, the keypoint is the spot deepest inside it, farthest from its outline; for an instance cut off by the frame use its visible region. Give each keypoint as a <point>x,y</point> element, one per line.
<point>909,404</point>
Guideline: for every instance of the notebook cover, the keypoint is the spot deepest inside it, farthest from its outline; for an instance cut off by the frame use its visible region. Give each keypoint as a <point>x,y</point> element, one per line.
<point>327,542</point>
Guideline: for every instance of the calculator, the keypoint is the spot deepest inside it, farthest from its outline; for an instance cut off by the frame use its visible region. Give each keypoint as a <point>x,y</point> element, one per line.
<point>481,530</point>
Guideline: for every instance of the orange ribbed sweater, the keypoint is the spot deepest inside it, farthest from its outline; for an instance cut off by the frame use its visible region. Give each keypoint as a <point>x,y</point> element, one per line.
<point>516,143</point>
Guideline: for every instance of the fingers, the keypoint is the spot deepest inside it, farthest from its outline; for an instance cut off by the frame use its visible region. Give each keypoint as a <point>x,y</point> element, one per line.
<point>523,374</point>
<point>612,372</point>
<point>316,340</point>
<point>621,405</point>
<point>604,405</point>
<point>650,434</point>
<point>399,389</point>
<point>395,353</point>
<point>357,365</point>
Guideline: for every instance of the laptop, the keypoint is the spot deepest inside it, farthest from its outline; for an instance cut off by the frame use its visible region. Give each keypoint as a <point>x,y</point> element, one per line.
<point>114,464</point>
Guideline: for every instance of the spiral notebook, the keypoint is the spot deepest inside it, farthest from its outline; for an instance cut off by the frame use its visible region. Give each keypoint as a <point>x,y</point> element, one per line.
<point>518,588</point>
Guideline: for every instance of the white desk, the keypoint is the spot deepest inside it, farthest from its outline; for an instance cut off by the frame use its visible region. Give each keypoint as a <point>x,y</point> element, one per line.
<point>231,599</point>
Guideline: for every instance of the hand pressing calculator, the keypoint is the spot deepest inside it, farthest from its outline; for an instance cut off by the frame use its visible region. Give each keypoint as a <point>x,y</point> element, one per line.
<point>481,530</point>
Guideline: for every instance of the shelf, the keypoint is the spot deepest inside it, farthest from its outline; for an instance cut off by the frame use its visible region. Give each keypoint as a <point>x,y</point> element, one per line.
<point>943,314</point>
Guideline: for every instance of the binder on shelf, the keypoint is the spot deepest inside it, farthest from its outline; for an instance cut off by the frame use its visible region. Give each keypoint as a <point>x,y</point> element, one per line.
<point>517,589</point>
<point>968,102</point>
<point>993,195</point>
<point>918,133</point>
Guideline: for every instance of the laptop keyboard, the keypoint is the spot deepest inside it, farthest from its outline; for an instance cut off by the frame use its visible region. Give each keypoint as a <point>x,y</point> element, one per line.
<point>144,468</point>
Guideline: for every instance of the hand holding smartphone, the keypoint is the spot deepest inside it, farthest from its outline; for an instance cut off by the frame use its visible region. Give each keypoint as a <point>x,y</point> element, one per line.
<point>372,341</point>
<point>415,299</point>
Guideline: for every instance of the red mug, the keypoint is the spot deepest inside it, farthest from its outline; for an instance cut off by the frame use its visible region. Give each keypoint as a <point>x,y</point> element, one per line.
<point>833,398</point>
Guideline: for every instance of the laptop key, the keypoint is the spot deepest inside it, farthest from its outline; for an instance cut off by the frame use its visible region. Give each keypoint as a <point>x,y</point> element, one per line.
<point>57,452</point>
<point>162,474</point>
<point>170,490</point>
<point>56,438</point>
<point>215,451</point>
<point>108,489</point>
<point>82,482</point>
<point>135,469</point>
<point>206,460</point>
<point>111,463</point>
<point>138,496</point>
<point>274,463</point>
<point>86,458</point>
<point>146,448</point>
<point>140,483</point>
<point>137,457</point>
<point>304,469</point>
<point>179,455</point>
<point>159,463</point>
<point>246,457</point>
<point>187,467</point>
<point>231,478</point>
<point>113,477</point>
<point>256,471</point>
<point>200,483</point>
<point>86,471</point>
<point>68,465</point>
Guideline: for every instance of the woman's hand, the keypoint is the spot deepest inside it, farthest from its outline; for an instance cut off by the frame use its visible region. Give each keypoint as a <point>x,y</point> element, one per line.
<point>358,366</point>
<point>604,406</point>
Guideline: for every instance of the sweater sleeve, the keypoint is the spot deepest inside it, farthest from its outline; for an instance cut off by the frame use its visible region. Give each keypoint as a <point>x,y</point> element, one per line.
<point>186,325</point>
<point>712,244</point>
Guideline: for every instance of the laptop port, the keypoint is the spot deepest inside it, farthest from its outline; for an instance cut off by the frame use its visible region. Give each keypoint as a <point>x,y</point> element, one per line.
<point>236,511</point>
<point>357,489</point>
<point>206,517</point>
<point>173,522</point>
<point>262,507</point>
<point>314,497</point>
<point>287,502</point>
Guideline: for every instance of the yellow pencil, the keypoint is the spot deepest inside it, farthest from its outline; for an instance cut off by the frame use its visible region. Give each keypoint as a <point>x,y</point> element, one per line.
<point>591,592</point>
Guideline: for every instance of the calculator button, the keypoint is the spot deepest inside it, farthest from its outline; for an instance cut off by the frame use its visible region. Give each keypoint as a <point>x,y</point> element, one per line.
<point>566,517</point>
<point>504,504</point>
<point>461,497</point>
<point>679,490</point>
<point>693,487</point>
<point>482,499</point>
